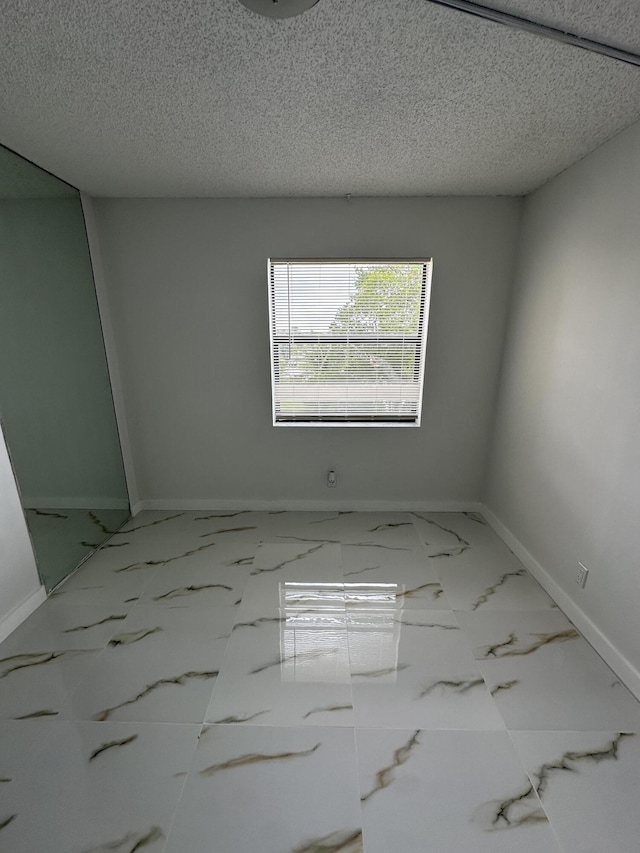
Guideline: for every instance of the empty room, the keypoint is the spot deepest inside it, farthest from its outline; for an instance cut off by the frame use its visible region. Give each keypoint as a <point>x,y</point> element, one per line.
<point>319,418</point>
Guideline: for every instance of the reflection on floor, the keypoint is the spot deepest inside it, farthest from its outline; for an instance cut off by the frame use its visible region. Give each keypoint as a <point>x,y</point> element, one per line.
<point>308,683</point>
<point>62,538</point>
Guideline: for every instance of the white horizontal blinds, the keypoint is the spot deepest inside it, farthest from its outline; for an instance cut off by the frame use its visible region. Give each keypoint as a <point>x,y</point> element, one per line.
<point>348,340</point>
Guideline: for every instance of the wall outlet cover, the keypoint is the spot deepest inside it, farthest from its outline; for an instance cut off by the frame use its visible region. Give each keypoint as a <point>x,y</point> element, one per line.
<point>581,576</point>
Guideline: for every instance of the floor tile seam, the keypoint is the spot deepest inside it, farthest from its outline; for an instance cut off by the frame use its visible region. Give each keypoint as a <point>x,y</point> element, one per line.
<point>310,732</point>
<point>171,633</point>
<point>600,730</point>
<point>151,723</point>
<point>423,545</point>
<point>23,647</point>
<point>479,732</point>
<point>97,724</point>
<point>584,643</point>
<point>227,654</point>
<point>497,612</point>
<point>359,786</point>
<point>180,796</point>
<point>489,696</point>
<point>544,652</point>
<point>280,728</point>
<point>392,727</point>
<point>68,700</point>
<point>134,721</point>
<point>528,776</point>
<point>79,650</point>
<point>427,668</point>
<point>501,610</point>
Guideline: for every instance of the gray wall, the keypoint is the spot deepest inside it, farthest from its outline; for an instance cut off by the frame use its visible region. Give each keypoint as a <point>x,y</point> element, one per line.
<point>54,385</point>
<point>188,296</point>
<point>565,471</point>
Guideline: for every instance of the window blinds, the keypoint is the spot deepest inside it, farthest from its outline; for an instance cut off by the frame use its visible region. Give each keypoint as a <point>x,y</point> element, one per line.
<point>348,340</point>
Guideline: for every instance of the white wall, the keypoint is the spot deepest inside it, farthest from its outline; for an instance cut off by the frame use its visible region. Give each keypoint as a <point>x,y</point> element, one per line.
<point>187,286</point>
<point>565,471</point>
<point>20,588</point>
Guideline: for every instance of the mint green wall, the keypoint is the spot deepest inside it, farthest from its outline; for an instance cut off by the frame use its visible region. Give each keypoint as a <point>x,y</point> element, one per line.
<point>55,397</point>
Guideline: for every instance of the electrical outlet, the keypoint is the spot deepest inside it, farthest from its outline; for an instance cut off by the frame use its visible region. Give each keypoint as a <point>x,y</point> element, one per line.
<point>332,480</point>
<point>582,575</point>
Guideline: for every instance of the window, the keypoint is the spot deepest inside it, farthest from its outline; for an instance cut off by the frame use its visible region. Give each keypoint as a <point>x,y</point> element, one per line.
<point>348,341</point>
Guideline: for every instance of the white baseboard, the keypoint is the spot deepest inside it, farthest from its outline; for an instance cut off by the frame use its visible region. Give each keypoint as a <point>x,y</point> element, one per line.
<point>136,508</point>
<point>235,505</point>
<point>74,503</point>
<point>623,667</point>
<point>16,617</point>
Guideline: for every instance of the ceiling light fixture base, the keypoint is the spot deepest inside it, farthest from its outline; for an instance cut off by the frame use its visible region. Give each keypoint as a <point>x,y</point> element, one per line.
<point>279,8</point>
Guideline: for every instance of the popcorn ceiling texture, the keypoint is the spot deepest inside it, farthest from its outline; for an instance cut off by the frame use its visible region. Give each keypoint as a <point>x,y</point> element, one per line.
<point>614,22</point>
<point>369,97</point>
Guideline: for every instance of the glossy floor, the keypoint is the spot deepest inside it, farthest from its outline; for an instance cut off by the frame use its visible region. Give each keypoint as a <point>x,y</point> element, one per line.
<point>311,683</point>
<point>63,538</point>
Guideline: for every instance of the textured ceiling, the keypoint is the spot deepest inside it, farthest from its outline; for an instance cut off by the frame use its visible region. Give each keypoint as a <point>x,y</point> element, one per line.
<point>615,22</point>
<point>368,97</point>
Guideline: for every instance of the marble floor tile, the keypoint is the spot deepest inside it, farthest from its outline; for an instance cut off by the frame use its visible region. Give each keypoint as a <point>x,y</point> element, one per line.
<point>420,592</point>
<point>563,685</point>
<point>279,527</point>
<point>418,671</point>
<point>38,683</point>
<point>62,625</point>
<point>136,556</point>
<point>155,532</point>
<point>98,584</point>
<point>160,668</point>
<point>418,583</point>
<point>275,565</point>
<point>291,670</point>
<point>376,529</point>
<point>262,601</point>
<point>100,787</point>
<point>448,792</point>
<point>306,561</point>
<point>177,522</point>
<point>589,785</point>
<point>449,530</point>
<point>229,528</point>
<point>260,526</point>
<point>270,790</point>
<point>483,579</point>
<point>496,634</point>
<point>492,556</point>
<point>441,530</point>
<point>174,626</point>
<point>64,537</point>
<point>19,739</point>
<point>219,580</point>
<point>357,682</point>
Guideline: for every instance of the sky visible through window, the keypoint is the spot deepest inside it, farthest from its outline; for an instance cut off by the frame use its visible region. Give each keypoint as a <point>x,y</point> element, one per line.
<point>325,288</point>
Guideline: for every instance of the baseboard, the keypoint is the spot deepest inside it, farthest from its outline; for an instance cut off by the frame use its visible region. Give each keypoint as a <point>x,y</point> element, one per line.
<point>74,503</point>
<point>16,617</point>
<point>623,668</point>
<point>235,505</point>
<point>136,508</point>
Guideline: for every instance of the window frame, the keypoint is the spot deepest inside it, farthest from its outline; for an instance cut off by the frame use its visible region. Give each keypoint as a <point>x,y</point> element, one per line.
<point>419,339</point>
